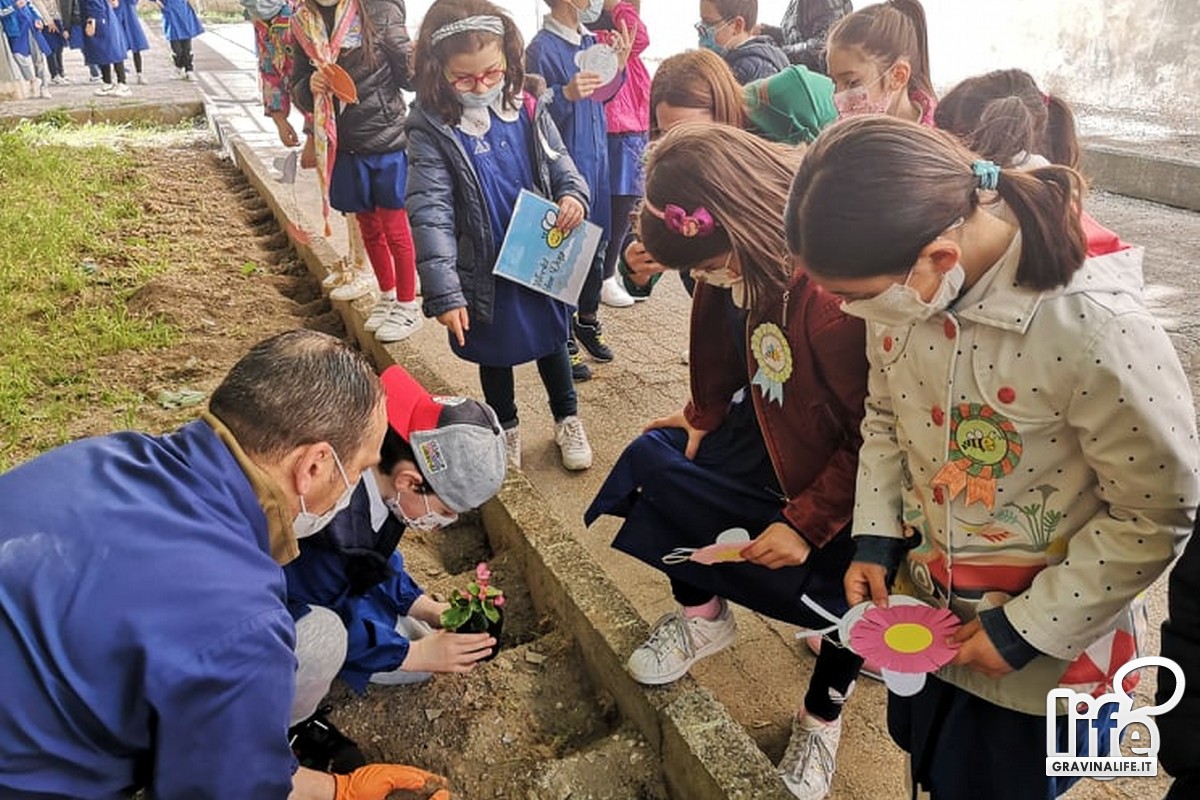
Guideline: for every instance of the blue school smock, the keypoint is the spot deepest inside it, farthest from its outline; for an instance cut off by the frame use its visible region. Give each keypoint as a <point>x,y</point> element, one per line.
<point>144,634</point>
<point>23,37</point>
<point>583,126</point>
<point>107,45</point>
<point>526,325</point>
<point>352,567</point>
<point>179,21</point>
<point>626,164</point>
<point>367,181</point>
<point>135,34</point>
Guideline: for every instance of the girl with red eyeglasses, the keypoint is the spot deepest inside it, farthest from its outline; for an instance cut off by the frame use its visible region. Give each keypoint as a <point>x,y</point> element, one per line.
<point>476,139</point>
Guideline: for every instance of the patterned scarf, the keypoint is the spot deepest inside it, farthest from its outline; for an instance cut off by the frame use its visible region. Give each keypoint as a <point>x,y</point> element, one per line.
<point>322,49</point>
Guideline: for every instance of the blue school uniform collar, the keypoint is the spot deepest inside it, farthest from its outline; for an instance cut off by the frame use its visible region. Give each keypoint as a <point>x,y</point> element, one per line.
<point>575,37</point>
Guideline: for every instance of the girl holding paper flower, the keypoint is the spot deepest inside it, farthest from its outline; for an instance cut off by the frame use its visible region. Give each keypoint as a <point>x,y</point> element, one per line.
<point>352,64</point>
<point>476,139</point>
<point>768,442</point>
<point>1029,456</point>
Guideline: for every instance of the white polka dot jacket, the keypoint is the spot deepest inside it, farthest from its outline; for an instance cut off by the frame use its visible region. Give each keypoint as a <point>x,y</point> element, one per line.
<point>1036,452</point>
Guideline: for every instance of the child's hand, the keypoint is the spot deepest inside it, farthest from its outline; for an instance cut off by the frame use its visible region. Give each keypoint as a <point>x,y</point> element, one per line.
<point>778,546</point>
<point>458,321</point>
<point>975,650</point>
<point>37,23</point>
<point>639,263</point>
<point>443,651</point>
<point>287,134</point>
<point>621,41</point>
<point>866,581</point>
<point>582,86</point>
<point>90,28</point>
<point>428,610</point>
<point>318,82</point>
<point>679,420</point>
<point>570,214</point>
<point>308,156</point>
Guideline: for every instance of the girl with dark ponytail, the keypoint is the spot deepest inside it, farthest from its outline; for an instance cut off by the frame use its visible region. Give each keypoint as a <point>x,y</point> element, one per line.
<point>1028,458</point>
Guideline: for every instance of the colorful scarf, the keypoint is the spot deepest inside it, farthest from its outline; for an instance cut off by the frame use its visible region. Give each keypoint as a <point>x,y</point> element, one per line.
<point>322,49</point>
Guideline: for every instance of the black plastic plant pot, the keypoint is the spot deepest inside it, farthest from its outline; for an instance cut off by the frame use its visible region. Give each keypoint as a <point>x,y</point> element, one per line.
<point>475,625</point>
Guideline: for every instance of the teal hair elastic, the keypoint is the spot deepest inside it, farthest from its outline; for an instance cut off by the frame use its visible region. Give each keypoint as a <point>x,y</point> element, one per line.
<point>988,174</point>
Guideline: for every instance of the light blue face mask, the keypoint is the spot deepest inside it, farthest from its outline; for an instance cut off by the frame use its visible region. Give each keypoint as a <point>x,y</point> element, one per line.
<point>473,100</point>
<point>708,36</point>
<point>592,13</point>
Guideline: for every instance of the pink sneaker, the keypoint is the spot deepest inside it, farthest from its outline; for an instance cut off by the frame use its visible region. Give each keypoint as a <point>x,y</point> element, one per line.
<point>869,669</point>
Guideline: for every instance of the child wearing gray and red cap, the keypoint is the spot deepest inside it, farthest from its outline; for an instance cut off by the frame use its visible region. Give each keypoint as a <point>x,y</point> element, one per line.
<point>359,615</point>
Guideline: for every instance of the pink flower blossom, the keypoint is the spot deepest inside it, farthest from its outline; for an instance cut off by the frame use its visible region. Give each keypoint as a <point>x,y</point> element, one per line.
<point>482,573</point>
<point>499,602</point>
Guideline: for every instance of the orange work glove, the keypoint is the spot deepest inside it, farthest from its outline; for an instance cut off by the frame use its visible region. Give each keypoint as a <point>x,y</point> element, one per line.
<point>376,781</point>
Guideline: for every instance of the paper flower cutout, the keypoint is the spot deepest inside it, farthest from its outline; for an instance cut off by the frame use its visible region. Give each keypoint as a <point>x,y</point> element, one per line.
<point>905,639</point>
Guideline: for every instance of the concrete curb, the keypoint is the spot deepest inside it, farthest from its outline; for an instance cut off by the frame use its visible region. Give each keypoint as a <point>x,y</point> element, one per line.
<point>1121,169</point>
<point>167,114</point>
<point>705,754</point>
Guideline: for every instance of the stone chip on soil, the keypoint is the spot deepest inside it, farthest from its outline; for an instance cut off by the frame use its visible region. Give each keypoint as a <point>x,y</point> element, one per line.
<point>534,658</point>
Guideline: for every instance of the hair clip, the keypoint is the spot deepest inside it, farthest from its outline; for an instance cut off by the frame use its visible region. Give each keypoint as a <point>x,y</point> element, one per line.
<point>698,223</point>
<point>988,174</point>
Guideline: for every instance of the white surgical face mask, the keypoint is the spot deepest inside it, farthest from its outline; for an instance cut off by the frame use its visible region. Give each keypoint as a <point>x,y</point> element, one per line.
<point>724,278</point>
<point>901,304</point>
<point>473,100</point>
<point>306,524</point>
<point>592,13</point>
<point>429,521</point>
<point>857,100</point>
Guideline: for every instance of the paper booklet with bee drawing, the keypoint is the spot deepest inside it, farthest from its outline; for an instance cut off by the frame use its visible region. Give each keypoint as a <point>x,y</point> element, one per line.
<point>539,255</point>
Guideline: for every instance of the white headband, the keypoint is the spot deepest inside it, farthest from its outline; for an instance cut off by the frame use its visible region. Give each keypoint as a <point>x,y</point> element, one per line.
<point>487,24</point>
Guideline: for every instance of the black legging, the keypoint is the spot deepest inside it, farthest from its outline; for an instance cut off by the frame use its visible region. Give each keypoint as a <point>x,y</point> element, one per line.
<point>54,62</point>
<point>622,205</point>
<point>181,49</point>
<point>106,72</point>
<point>137,62</point>
<point>500,393</point>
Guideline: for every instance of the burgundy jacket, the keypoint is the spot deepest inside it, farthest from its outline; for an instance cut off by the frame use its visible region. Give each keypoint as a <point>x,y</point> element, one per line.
<point>814,436</point>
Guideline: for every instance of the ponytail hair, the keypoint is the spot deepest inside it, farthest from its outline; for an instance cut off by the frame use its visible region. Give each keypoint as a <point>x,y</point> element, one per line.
<point>888,32</point>
<point>872,192</point>
<point>739,180</point>
<point>698,79</point>
<point>983,112</point>
<point>434,92</point>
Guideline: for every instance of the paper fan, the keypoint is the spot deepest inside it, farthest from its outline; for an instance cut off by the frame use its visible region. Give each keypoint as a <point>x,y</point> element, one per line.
<point>905,639</point>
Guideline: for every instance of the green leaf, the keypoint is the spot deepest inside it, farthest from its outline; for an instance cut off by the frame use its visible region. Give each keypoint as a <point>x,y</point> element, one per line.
<point>492,613</point>
<point>454,617</point>
<point>473,588</point>
<point>492,591</point>
<point>249,268</point>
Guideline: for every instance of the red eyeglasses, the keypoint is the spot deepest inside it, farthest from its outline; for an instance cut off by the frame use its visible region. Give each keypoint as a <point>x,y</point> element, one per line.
<point>468,83</point>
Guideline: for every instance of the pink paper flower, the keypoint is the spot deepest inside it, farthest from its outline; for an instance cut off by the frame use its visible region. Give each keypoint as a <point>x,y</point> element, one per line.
<point>905,639</point>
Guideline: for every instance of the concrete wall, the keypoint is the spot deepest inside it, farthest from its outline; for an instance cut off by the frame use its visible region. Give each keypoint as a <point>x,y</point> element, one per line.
<point>1126,54</point>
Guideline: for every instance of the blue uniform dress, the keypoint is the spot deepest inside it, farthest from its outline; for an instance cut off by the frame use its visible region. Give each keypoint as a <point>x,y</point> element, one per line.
<point>144,636</point>
<point>366,181</point>
<point>583,126</point>
<point>626,165</point>
<point>22,35</point>
<point>135,34</point>
<point>669,501</point>
<point>353,568</point>
<point>107,45</point>
<point>526,325</point>
<point>179,21</point>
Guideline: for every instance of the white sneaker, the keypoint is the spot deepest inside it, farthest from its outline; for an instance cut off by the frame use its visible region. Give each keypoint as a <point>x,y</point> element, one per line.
<point>122,90</point>
<point>141,79</point>
<point>572,443</point>
<point>189,76</point>
<point>402,322</point>
<point>44,92</point>
<point>338,275</point>
<point>356,285</point>
<point>181,73</point>
<point>512,445</point>
<point>678,641</point>
<point>379,314</point>
<point>94,79</point>
<point>106,89</point>
<point>808,763</point>
<point>612,293</point>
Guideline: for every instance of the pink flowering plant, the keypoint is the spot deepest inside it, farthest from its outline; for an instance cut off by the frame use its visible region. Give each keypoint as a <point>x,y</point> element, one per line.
<point>476,609</point>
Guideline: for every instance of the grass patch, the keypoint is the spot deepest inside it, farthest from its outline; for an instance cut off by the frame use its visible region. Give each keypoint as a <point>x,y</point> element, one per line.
<point>67,266</point>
